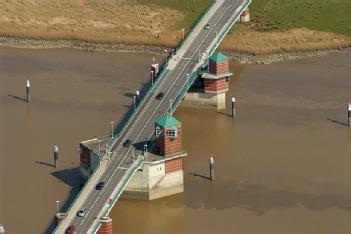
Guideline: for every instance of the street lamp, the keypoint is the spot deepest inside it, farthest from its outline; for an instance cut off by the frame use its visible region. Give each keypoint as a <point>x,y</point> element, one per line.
<point>99,141</point>
<point>187,80</point>
<point>112,123</point>
<point>134,102</point>
<point>170,106</point>
<point>183,30</point>
<point>152,78</point>
<point>166,56</point>
<point>57,207</point>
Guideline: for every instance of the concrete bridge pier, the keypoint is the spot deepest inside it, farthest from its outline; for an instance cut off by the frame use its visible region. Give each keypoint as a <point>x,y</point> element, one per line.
<point>106,226</point>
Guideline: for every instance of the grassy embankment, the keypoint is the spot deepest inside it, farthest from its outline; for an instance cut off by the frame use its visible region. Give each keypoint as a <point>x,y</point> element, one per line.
<point>276,26</point>
<point>289,26</point>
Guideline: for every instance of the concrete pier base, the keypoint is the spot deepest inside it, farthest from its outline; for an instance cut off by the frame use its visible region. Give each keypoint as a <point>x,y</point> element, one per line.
<point>156,187</point>
<point>204,100</point>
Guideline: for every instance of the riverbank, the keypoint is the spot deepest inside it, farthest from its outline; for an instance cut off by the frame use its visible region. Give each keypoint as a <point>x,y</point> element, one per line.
<point>246,58</point>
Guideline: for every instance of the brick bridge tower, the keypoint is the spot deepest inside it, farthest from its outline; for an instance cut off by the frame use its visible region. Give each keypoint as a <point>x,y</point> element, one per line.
<point>168,135</point>
<point>216,79</point>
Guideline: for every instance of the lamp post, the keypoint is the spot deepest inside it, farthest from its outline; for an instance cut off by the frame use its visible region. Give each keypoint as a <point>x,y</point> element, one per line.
<point>99,141</point>
<point>187,80</point>
<point>183,31</point>
<point>112,123</point>
<point>134,102</point>
<point>152,78</point>
<point>170,106</point>
<point>166,56</point>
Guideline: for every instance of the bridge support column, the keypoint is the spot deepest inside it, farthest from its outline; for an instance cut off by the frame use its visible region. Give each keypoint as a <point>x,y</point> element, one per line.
<point>106,226</point>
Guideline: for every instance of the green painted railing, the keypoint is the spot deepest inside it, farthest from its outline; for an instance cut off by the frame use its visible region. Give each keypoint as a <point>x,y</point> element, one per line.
<point>221,36</point>
<point>78,195</point>
<point>131,171</point>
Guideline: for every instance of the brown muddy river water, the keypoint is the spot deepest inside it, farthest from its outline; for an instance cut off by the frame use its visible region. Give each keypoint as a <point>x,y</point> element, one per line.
<point>282,165</point>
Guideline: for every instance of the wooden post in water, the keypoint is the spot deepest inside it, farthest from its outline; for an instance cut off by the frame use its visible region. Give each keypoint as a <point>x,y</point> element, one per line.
<point>56,155</point>
<point>233,107</point>
<point>211,162</point>
<point>349,115</point>
<point>28,90</point>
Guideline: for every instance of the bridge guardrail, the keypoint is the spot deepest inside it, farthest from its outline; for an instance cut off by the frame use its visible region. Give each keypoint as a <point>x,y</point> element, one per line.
<point>161,75</point>
<point>127,177</point>
<point>230,24</point>
<point>91,177</point>
<point>219,38</point>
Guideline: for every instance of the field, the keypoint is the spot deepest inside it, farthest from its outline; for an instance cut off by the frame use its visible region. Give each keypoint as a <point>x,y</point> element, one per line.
<point>276,26</point>
<point>323,15</point>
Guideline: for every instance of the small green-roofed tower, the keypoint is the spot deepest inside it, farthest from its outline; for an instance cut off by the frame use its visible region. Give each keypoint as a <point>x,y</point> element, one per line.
<point>168,135</point>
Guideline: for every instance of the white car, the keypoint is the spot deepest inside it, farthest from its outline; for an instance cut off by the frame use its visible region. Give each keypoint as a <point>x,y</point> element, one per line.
<point>81,213</point>
<point>207,26</point>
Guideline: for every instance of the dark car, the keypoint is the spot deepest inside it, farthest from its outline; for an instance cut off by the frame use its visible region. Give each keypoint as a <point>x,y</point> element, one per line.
<point>207,26</point>
<point>100,186</point>
<point>127,143</point>
<point>159,96</point>
<point>70,229</point>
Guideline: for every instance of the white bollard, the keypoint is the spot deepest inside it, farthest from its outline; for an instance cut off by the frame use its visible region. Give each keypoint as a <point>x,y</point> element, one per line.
<point>28,90</point>
<point>233,107</point>
<point>349,115</point>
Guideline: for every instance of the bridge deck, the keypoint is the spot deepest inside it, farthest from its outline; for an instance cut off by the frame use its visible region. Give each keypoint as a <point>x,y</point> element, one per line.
<point>174,84</point>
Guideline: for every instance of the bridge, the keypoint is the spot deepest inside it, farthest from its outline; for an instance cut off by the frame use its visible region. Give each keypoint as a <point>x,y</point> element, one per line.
<point>178,73</point>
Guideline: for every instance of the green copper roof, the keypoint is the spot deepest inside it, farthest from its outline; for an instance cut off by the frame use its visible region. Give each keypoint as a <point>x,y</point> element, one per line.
<point>167,121</point>
<point>218,57</point>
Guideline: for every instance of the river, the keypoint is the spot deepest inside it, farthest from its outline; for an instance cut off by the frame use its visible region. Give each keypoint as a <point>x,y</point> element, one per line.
<point>281,165</point>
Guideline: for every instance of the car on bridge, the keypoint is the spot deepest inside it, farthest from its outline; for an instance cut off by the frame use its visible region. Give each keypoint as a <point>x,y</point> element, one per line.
<point>159,96</point>
<point>127,143</point>
<point>100,186</point>
<point>81,213</point>
<point>70,230</point>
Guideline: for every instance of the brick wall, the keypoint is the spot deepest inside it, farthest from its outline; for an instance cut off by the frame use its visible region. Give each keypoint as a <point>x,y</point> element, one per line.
<point>218,68</point>
<point>106,227</point>
<point>85,156</point>
<point>216,85</point>
<point>167,145</point>
<point>173,165</point>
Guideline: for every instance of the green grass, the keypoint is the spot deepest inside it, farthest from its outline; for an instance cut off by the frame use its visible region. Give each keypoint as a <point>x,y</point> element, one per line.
<point>192,9</point>
<point>323,15</point>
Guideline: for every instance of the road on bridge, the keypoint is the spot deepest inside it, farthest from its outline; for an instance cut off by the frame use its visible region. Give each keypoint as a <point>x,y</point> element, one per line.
<point>141,127</point>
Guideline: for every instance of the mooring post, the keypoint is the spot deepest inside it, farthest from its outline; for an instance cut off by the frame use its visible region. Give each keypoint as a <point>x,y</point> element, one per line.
<point>56,155</point>
<point>28,90</point>
<point>211,162</point>
<point>349,114</point>
<point>233,107</point>
<point>57,207</point>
